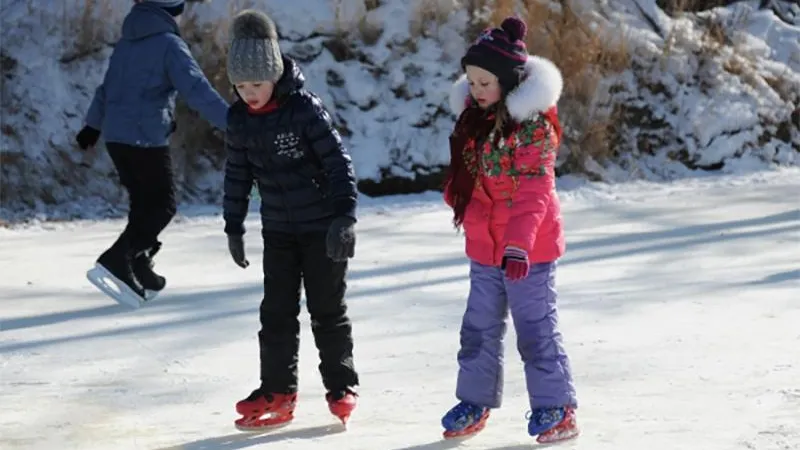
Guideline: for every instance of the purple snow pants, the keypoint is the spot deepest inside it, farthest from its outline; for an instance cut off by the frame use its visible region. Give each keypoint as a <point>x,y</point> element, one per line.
<point>532,302</point>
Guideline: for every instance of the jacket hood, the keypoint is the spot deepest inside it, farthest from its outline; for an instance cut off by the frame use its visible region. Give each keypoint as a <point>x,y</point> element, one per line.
<point>291,80</point>
<point>539,90</point>
<point>147,19</point>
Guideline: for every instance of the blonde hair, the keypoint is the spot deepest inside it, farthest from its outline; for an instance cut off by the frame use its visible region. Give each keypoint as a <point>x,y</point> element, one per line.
<point>501,122</point>
<point>501,117</point>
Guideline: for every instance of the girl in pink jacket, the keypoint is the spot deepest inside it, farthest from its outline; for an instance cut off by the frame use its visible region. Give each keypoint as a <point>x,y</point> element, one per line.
<point>501,187</point>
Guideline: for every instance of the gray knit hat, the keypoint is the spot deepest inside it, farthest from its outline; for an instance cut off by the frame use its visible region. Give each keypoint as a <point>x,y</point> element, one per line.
<point>254,54</point>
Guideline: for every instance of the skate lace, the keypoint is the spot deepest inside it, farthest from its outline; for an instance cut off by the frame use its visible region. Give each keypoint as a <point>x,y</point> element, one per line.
<point>340,394</point>
<point>545,416</point>
<point>466,413</point>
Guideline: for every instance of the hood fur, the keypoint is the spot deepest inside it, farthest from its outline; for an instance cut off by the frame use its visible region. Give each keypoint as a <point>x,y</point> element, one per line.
<point>538,92</point>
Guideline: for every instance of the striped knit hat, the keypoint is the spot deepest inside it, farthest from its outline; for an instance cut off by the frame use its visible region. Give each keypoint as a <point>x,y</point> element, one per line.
<point>501,51</point>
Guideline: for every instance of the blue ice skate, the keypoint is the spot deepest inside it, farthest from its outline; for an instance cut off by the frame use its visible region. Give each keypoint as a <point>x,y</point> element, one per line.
<point>552,424</point>
<point>464,420</point>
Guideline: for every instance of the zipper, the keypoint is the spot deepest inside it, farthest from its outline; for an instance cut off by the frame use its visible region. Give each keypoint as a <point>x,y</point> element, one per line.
<point>273,164</point>
<point>491,234</point>
<point>318,186</point>
<point>286,206</point>
<point>490,216</point>
<point>480,147</point>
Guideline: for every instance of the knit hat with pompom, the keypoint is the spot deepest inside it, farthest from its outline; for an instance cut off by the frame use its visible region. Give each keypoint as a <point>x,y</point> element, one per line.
<point>254,54</point>
<point>501,51</point>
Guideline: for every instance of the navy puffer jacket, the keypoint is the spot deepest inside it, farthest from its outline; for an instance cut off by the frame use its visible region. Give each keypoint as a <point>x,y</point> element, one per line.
<point>296,158</point>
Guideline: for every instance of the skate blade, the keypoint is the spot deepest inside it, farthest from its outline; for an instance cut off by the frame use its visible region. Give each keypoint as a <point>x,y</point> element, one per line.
<point>557,438</point>
<point>261,426</point>
<point>459,436</point>
<point>469,431</point>
<point>464,434</point>
<point>342,414</point>
<point>110,285</point>
<point>344,421</point>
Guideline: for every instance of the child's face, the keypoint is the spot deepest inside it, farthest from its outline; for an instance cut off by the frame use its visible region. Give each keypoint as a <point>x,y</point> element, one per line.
<point>483,86</point>
<point>255,93</point>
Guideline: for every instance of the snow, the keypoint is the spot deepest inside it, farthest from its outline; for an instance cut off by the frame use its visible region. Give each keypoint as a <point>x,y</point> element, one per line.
<point>729,110</point>
<point>720,98</point>
<point>678,303</point>
<point>363,91</point>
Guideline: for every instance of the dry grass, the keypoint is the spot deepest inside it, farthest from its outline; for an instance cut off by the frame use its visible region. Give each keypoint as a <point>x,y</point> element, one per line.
<point>677,7</point>
<point>717,33</point>
<point>716,41</point>
<point>87,26</point>
<point>208,42</point>
<point>352,21</point>
<point>428,15</point>
<point>370,31</point>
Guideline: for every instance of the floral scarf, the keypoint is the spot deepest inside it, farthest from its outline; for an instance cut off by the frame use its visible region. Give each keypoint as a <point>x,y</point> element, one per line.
<point>473,127</point>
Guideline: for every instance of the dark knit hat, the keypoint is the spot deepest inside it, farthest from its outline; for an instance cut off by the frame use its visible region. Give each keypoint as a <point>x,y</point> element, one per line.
<point>501,51</point>
<point>173,7</point>
<point>254,54</point>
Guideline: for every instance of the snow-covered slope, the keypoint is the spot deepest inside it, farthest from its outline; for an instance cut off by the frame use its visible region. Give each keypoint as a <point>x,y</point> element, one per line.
<point>692,98</point>
<point>678,304</point>
<point>717,90</point>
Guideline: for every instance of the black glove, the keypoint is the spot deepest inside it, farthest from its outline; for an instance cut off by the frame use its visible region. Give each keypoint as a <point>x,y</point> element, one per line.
<point>341,239</point>
<point>87,137</point>
<point>236,249</point>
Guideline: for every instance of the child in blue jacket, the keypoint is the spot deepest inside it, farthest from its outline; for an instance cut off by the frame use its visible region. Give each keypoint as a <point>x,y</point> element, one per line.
<point>133,109</point>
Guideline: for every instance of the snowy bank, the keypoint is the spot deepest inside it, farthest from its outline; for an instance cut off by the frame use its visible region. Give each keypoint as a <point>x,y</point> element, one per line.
<point>708,91</point>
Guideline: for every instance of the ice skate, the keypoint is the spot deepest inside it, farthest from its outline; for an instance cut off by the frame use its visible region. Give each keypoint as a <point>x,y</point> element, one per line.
<point>341,404</point>
<point>262,412</point>
<point>113,275</point>
<point>551,425</point>
<point>142,266</point>
<point>464,421</point>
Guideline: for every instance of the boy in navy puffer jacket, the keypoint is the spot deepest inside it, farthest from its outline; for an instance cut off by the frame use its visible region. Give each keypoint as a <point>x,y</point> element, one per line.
<point>133,109</point>
<point>281,137</point>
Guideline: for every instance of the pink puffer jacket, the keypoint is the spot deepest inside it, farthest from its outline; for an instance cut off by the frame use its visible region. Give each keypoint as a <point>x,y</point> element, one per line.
<point>515,201</point>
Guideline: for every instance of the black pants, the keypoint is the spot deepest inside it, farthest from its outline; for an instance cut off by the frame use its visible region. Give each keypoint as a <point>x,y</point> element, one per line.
<point>289,260</point>
<point>147,175</point>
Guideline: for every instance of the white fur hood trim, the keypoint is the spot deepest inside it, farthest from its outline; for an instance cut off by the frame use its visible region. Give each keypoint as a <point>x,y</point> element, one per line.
<point>538,92</point>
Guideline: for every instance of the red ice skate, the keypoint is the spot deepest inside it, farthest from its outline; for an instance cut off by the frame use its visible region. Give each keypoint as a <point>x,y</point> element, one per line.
<point>567,428</point>
<point>341,404</point>
<point>278,409</point>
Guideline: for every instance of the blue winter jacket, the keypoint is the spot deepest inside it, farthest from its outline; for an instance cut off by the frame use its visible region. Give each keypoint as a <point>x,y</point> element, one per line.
<point>149,66</point>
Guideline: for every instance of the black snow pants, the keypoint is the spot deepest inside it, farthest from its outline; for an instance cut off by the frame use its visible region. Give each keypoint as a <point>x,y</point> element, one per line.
<point>147,175</point>
<point>289,261</point>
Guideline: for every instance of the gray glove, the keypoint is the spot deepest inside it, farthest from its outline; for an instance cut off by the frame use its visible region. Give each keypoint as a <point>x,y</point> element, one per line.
<point>341,239</point>
<point>236,249</point>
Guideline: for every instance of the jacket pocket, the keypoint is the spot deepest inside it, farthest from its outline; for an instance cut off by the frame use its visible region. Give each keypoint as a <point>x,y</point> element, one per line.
<point>155,128</point>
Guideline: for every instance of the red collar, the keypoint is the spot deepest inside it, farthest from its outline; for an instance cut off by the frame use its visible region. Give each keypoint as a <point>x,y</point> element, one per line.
<point>271,105</point>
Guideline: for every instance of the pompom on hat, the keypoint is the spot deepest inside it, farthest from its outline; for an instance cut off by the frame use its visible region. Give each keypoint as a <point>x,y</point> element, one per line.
<point>501,51</point>
<point>254,54</point>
